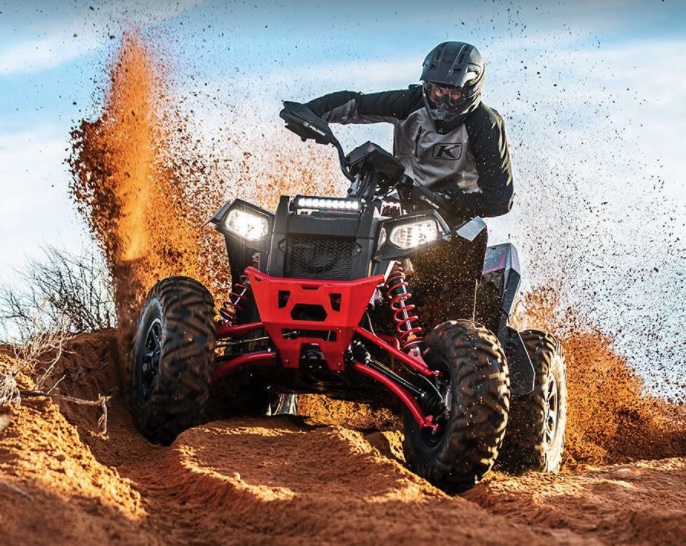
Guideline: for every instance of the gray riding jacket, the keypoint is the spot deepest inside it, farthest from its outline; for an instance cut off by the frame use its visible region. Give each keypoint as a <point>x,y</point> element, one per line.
<point>470,165</point>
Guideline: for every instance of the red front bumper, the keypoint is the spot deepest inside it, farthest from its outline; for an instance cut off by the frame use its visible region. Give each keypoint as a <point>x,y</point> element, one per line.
<point>337,305</point>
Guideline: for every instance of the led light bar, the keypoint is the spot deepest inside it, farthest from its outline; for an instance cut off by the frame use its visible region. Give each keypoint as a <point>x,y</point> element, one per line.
<point>328,203</point>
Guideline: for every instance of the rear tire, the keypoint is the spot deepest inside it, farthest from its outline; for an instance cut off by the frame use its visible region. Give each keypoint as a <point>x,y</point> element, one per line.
<point>477,394</point>
<point>535,433</point>
<point>172,359</point>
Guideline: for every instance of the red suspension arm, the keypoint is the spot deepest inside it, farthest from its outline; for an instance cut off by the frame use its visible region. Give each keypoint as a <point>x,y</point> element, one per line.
<point>264,358</point>
<point>415,362</point>
<point>400,392</point>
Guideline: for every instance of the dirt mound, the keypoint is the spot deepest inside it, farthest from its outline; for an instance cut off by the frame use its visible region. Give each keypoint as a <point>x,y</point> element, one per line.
<point>261,481</point>
<point>621,504</point>
<point>52,488</point>
<point>323,410</point>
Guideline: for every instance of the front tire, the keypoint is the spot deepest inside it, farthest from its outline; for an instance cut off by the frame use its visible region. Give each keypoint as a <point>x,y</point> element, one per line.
<point>172,359</point>
<point>476,390</point>
<point>535,434</point>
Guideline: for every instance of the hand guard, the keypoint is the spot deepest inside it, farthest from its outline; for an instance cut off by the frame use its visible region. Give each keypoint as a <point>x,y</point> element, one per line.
<point>304,123</point>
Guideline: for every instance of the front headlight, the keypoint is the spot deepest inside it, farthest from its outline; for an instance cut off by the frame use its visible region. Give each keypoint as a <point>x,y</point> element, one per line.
<point>249,225</point>
<point>406,236</point>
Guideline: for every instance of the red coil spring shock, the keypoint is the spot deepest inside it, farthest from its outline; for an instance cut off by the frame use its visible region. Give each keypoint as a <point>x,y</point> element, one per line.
<point>403,314</point>
<point>237,296</point>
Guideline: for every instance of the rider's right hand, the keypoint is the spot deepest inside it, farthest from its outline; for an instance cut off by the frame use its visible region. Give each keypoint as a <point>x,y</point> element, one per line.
<point>422,197</point>
<point>404,187</point>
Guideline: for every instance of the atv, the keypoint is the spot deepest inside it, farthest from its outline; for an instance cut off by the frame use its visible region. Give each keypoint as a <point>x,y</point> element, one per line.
<point>322,302</point>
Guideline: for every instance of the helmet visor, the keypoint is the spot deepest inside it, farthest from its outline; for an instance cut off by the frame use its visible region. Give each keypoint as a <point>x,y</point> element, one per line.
<point>445,98</point>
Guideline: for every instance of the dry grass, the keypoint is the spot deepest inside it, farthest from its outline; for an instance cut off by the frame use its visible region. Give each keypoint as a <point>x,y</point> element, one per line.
<point>60,292</point>
<point>27,367</point>
<point>61,295</point>
<point>34,357</point>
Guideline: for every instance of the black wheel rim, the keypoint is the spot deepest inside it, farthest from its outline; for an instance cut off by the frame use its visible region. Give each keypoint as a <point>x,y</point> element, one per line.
<point>150,360</point>
<point>552,411</point>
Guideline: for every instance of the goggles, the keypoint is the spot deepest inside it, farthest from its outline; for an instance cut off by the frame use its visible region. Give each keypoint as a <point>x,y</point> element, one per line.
<point>445,97</point>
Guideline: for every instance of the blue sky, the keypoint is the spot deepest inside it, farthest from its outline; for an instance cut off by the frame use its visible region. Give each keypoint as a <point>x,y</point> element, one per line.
<point>593,93</point>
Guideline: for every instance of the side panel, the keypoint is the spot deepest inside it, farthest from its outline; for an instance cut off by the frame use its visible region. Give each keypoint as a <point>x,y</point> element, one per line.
<point>496,296</point>
<point>498,287</point>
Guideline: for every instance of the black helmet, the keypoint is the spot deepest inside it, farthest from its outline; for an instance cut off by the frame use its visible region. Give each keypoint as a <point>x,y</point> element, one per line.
<point>453,75</point>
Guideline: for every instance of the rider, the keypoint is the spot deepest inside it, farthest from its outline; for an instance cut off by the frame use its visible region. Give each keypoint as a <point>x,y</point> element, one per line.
<point>455,149</point>
<point>446,138</point>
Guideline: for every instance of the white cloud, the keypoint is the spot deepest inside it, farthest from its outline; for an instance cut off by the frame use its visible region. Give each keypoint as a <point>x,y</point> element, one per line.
<point>44,53</point>
<point>49,45</point>
<point>34,207</point>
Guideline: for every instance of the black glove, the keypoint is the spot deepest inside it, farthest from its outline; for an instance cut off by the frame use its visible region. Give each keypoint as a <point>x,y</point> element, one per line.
<point>452,206</point>
<point>421,197</point>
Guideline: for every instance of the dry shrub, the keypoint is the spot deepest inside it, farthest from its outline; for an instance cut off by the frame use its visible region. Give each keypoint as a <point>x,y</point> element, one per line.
<point>37,367</point>
<point>61,293</point>
<point>28,365</point>
<point>60,296</point>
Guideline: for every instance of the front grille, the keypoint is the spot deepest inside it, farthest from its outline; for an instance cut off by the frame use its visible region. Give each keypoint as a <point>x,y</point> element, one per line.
<point>317,258</point>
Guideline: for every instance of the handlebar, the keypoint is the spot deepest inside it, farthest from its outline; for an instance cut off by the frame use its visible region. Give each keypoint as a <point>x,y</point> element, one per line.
<point>368,166</point>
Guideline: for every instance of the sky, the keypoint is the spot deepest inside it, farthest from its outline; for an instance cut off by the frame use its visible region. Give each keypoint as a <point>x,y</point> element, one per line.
<point>593,94</point>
